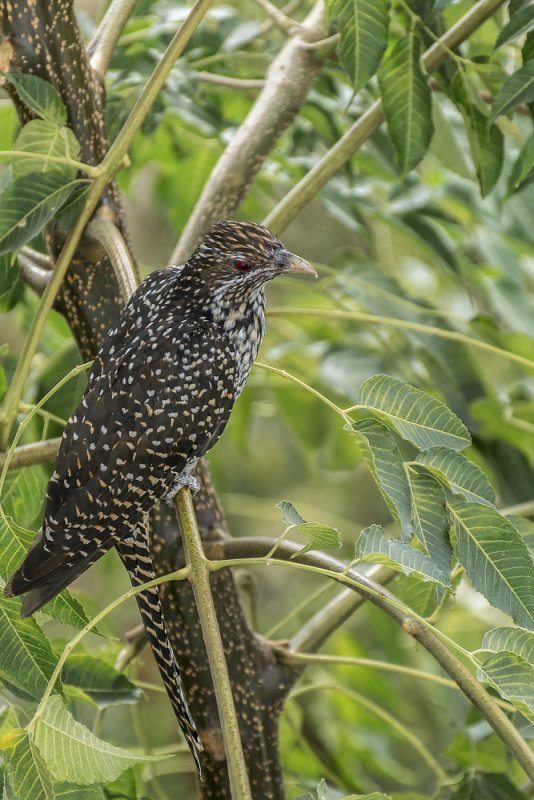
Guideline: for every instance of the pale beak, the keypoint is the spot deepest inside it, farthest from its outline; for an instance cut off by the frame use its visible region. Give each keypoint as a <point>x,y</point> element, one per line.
<point>297,264</point>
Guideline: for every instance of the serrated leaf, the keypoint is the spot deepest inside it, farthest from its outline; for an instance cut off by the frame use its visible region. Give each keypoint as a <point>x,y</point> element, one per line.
<point>516,640</point>
<point>8,273</point>
<point>373,546</point>
<point>28,203</point>
<point>413,414</point>
<point>519,23</point>
<point>421,597</point>
<point>363,25</point>
<point>100,681</point>
<point>290,515</point>
<point>407,101</point>
<point>384,460</point>
<point>39,96</point>
<point>431,521</point>
<point>321,537</point>
<point>14,544</point>
<point>73,754</point>
<point>496,559</point>
<point>47,139</point>
<point>523,168</point>
<point>517,89</point>
<point>486,142</point>
<point>26,658</point>
<point>513,677</point>
<point>458,474</point>
<point>26,772</point>
<point>23,494</point>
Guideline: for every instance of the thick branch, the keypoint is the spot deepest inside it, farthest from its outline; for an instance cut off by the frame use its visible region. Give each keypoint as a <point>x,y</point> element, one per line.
<point>287,84</point>
<point>35,453</point>
<point>338,155</point>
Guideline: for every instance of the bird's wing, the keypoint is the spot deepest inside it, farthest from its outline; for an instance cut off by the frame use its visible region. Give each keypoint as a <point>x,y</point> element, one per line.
<point>157,403</point>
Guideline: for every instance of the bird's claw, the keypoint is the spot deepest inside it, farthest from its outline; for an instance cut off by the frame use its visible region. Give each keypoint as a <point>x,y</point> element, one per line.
<point>182,480</point>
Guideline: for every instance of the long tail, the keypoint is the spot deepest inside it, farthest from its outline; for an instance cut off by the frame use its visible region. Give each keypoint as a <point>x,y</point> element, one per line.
<point>136,557</point>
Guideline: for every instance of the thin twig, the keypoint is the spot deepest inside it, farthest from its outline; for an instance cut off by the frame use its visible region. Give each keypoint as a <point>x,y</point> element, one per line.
<point>199,577</point>
<point>244,84</point>
<point>338,155</point>
<point>281,20</point>
<point>101,47</point>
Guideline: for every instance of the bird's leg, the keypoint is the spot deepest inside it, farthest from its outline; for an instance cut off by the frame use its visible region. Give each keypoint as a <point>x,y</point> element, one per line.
<point>181,479</point>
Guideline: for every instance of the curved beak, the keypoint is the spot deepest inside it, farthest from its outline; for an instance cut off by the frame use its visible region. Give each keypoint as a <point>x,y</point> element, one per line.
<point>297,264</point>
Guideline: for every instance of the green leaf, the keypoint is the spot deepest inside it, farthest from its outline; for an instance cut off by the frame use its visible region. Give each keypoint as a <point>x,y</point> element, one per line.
<point>46,139</point>
<point>373,546</point>
<point>321,537</point>
<point>384,460</point>
<point>290,515</point>
<point>413,414</point>
<point>458,474</point>
<point>486,142</point>
<point>496,559</point>
<point>363,25</point>
<point>523,168</point>
<point>407,101</point>
<point>14,544</point>
<point>513,677</point>
<point>520,22</point>
<point>104,685</point>
<point>23,494</point>
<point>28,204</point>
<point>68,791</point>
<point>487,786</point>
<point>39,96</point>
<point>431,521</point>
<point>517,89</point>
<point>26,658</point>
<point>516,640</point>
<point>73,754</point>
<point>26,772</point>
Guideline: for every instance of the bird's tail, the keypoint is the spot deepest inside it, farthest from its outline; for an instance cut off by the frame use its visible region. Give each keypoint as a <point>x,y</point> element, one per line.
<point>136,557</point>
<point>43,574</point>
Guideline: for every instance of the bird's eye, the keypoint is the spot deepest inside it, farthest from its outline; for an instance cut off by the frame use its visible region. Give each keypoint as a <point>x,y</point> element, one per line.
<point>242,265</point>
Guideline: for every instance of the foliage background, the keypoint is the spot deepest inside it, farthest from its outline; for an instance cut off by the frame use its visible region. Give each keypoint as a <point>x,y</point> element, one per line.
<point>420,244</point>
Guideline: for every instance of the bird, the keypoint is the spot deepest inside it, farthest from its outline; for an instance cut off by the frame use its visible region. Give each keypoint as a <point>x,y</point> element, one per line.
<point>158,397</point>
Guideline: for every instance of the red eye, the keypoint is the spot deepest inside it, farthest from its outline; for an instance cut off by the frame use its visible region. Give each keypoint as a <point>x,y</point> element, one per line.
<point>241,265</point>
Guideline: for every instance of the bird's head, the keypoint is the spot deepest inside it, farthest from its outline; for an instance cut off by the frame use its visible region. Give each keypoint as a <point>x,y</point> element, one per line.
<point>239,257</point>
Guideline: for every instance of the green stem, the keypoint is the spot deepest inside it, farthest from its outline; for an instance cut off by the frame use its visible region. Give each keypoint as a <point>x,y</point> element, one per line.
<point>338,155</point>
<point>108,167</point>
<point>292,657</point>
<point>178,575</point>
<point>282,373</point>
<point>418,327</point>
<point>199,577</point>
<point>392,721</point>
<point>89,170</point>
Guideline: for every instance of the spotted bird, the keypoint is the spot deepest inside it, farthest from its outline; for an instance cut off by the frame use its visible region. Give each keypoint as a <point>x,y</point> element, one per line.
<point>159,395</point>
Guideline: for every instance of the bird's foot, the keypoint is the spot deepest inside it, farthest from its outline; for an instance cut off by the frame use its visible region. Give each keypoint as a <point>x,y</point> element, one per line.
<point>182,480</point>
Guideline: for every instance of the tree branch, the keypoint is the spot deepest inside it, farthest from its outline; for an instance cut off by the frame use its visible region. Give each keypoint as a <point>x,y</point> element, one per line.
<point>287,84</point>
<point>35,453</point>
<point>241,550</point>
<point>100,48</point>
<point>338,155</point>
<point>230,82</point>
<point>104,234</point>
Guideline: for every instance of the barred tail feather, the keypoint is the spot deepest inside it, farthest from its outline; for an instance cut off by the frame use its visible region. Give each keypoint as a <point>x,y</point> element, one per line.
<point>136,557</point>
